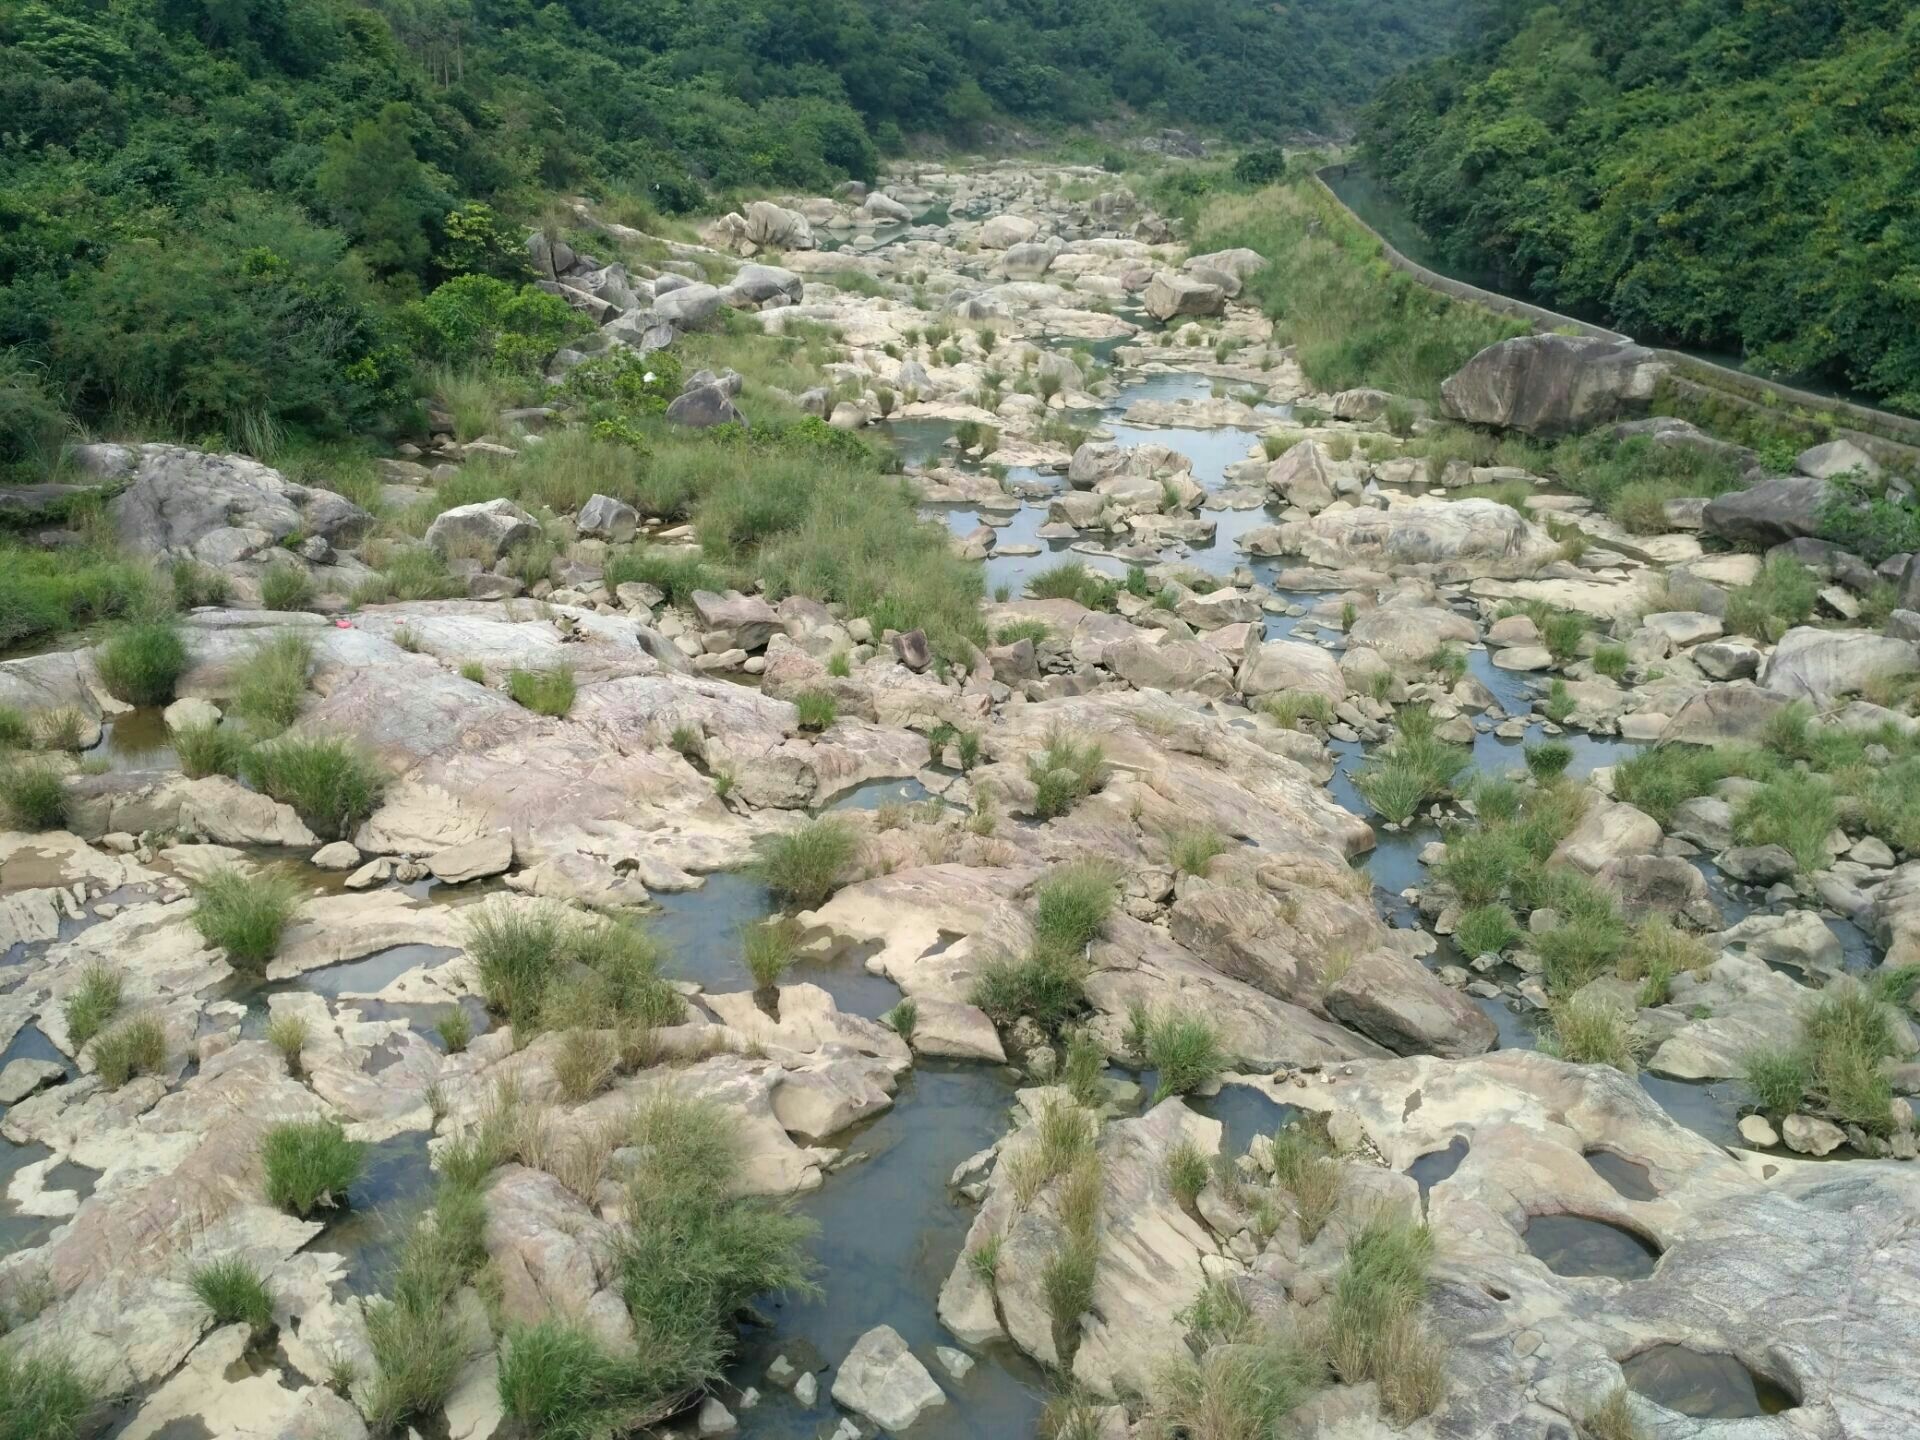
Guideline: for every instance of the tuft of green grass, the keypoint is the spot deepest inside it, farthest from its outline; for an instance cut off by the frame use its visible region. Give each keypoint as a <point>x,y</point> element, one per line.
<point>1781,596</point>
<point>1779,1078</point>
<point>803,865</point>
<point>1065,773</point>
<point>273,683</point>
<point>817,709</point>
<point>1486,930</point>
<point>134,1046</point>
<point>903,1018</point>
<point>309,1164</point>
<point>1047,985</point>
<point>417,1332</point>
<point>33,796</point>
<point>545,692</point>
<point>15,732</point>
<point>233,1290</point>
<point>331,781</point>
<point>1302,1168</point>
<point>286,585</point>
<point>143,662</point>
<point>840,665</point>
<point>1288,708</point>
<point>516,954</point>
<point>244,913</point>
<point>1187,1172</point>
<point>209,750</point>
<point>1072,580</point>
<point>1233,1391</point>
<point>455,1032</point>
<point>1373,1328</point>
<point>1184,1050</point>
<point>1072,904</point>
<point>1014,631</point>
<point>1796,811</point>
<point>1548,760</point>
<point>1480,862</point>
<point>1194,850</point>
<point>91,1003</point>
<point>289,1035</point>
<point>1611,661</point>
<point>43,1396</point>
<point>1612,1419</point>
<point>1589,939</point>
<point>1414,768</point>
<point>558,1382</point>
<point>769,951</point>
<point>1594,1029</point>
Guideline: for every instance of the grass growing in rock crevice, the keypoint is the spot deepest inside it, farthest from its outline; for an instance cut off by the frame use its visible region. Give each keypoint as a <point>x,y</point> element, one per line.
<point>1184,1051</point>
<point>142,663</point>
<point>273,682</point>
<point>691,1253</point>
<point>91,1003</point>
<point>33,796</point>
<point>544,968</point>
<point>1374,1330</point>
<point>1047,984</point>
<point>1065,773</point>
<point>244,913</point>
<point>309,1165</point>
<point>1835,1066</point>
<point>1594,1029</point>
<point>233,1290</point>
<point>803,866</point>
<point>44,1396</point>
<point>1415,767</point>
<point>1303,1168</point>
<point>545,692</point>
<point>134,1046</point>
<point>328,779</point>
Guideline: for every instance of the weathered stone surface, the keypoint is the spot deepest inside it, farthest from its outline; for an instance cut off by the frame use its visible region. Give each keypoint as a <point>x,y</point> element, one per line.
<point>1170,295</point>
<point>1769,513</point>
<point>703,407</point>
<point>883,1380</point>
<point>179,501</point>
<point>1608,831</point>
<point>1829,664</point>
<point>473,860</point>
<point>604,518</point>
<point>485,530</point>
<point>1551,385</point>
<point>1281,665</point>
<point>1452,539</point>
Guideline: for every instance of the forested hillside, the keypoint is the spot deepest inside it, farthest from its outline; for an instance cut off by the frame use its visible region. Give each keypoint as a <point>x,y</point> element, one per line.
<point>1741,174</point>
<point>209,208</point>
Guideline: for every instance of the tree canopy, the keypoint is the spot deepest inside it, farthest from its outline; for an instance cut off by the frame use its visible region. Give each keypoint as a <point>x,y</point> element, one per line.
<point>1736,174</point>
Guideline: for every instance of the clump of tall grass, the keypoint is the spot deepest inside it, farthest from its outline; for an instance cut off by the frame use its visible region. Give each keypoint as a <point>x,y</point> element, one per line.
<point>803,866</point>
<point>143,662</point>
<point>331,781</point>
<point>244,912</point>
<point>309,1164</point>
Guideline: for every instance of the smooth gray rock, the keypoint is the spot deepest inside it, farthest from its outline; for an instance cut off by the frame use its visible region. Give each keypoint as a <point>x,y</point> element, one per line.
<point>604,518</point>
<point>702,408</point>
<point>1549,385</point>
<point>178,500</point>
<point>1769,513</point>
<point>483,531</point>
<point>883,1380</point>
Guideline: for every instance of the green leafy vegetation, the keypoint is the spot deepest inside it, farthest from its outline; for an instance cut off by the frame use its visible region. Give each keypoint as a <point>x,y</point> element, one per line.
<point>1781,596</point>
<point>816,709</point>
<point>93,1001</point>
<point>1834,1067</point>
<point>1184,1051</point>
<point>1072,904</point>
<point>1413,768</point>
<point>33,795</point>
<point>769,950</point>
<point>243,912</point>
<point>1065,773</point>
<point>1584,153</point>
<point>273,682</point>
<point>1194,850</point>
<point>1593,1029</point>
<point>1374,1331</point>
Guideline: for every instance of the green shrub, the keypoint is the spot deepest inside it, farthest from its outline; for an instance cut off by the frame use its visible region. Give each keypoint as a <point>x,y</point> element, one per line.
<point>233,1290</point>
<point>1778,1077</point>
<point>286,585</point>
<point>309,1164</point>
<point>558,1382</point>
<point>1288,708</point>
<point>142,663</point>
<point>48,592</point>
<point>93,1001</point>
<point>417,1332</point>
<point>803,865</point>
<point>1611,661</point>
<point>33,796</point>
<point>209,750</point>
<point>817,709</point>
<point>903,1018</point>
<point>43,1396</point>
<point>545,692</point>
<point>1072,904</point>
<point>244,912</point>
<point>328,779</point>
<point>1187,1172</point>
<point>273,682</point>
<point>1479,863</point>
<point>134,1046</point>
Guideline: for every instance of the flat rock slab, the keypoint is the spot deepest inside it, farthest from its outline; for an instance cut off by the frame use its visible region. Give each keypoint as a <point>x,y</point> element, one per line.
<point>884,1381</point>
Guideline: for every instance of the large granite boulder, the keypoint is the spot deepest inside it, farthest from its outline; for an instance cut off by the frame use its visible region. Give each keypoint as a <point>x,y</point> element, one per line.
<point>1769,513</point>
<point>1829,664</point>
<point>1457,539</point>
<point>1551,385</point>
<point>180,501</point>
<point>1169,295</point>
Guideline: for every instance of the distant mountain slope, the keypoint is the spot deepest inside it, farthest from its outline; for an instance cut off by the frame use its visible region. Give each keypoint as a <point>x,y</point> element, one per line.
<point>1739,174</point>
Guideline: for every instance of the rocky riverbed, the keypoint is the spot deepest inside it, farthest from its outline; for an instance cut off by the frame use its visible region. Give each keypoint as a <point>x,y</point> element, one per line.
<point>1284,601</point>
